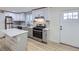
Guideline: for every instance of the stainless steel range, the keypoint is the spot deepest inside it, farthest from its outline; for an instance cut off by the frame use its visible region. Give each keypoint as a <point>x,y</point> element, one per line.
<point>39,34</point>
<point>38,31</point>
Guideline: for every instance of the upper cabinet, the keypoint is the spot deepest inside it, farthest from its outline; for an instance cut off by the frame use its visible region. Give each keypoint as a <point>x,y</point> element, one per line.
<point>40,12</point>
<point>13,15</point>
<point>20,17</point>
<point>16,17</point>
<point>28,18</point>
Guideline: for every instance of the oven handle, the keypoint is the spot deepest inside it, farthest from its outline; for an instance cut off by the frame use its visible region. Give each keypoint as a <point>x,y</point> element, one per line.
<point>37,30</point>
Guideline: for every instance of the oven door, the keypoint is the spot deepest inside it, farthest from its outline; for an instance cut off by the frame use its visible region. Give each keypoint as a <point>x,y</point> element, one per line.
<point>37,33</point>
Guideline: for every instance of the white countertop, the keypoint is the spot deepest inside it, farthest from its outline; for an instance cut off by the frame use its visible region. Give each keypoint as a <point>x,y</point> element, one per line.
<point>19,25</point>
<point>46,29</point>
<point>13,32</point>
<point>23,26</point>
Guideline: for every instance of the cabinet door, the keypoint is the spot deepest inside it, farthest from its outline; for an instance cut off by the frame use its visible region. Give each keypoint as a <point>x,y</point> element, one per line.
<point>40,12</point>
<point>16,17</point>
<point>34,14</point>
<point>30,32</point>
<point>13,15</point>
<point>22,17</point>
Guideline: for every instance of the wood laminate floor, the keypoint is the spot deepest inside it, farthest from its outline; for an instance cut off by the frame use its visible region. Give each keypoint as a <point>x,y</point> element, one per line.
<point>34,45</point>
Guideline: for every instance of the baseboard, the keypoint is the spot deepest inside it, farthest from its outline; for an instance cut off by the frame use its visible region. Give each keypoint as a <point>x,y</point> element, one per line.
<point>69,45</point>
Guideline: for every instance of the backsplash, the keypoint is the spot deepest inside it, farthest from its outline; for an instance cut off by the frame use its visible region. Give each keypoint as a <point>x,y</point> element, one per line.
<point>19,22</point>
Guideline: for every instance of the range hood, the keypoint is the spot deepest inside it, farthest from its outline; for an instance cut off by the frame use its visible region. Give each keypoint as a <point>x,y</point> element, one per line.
<point>40,20</point>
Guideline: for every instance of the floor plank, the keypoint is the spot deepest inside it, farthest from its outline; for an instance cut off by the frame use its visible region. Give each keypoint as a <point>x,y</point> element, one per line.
<point>34,45</point>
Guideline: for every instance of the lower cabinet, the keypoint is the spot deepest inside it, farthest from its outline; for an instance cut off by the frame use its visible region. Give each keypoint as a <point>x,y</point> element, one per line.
<point>11,43</point>
<point>45,35</point>
<point>17,43</point>
<point>30,32</point>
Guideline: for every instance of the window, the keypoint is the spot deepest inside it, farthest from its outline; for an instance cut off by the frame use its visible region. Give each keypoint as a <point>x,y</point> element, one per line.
<point>65,15</point>
<point>72,15</point>
<point>69,15</point>
<point>75,15</point>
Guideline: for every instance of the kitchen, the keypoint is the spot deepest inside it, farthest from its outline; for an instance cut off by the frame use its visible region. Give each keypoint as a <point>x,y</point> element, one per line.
<point>26,21</point>
<point>38,25</point>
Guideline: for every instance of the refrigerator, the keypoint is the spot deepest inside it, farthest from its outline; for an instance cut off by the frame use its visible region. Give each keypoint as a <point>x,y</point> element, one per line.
<point>8,22</point>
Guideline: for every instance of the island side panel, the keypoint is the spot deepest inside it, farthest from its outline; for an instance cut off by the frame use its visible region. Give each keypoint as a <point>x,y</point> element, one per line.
<point>21,42</point>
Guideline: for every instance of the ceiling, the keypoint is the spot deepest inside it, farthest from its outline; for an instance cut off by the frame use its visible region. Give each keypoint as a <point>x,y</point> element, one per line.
<point>18,9</point>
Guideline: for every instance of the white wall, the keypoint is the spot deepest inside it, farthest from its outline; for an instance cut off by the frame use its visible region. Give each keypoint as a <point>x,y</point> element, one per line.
<point>54,15</point>
<point>54,24</point>
<point>2,23</point>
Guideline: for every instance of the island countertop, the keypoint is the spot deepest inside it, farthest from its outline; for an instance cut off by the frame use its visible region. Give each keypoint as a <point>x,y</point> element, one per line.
<point>13,32</point>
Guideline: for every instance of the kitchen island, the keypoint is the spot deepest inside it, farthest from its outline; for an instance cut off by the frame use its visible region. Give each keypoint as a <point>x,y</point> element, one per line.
<point>16,39</point>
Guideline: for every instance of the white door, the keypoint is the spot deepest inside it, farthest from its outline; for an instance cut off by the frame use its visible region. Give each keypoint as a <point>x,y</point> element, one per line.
<point>70,28</point>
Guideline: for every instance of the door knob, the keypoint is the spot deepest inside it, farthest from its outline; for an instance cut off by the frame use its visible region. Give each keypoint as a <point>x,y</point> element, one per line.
<point>60,27</point>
